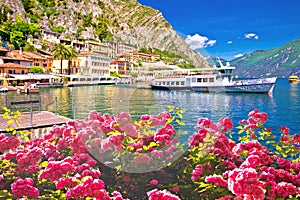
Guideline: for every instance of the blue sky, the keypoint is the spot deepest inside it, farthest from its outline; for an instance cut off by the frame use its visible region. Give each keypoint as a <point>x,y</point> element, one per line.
<point>231,28</point>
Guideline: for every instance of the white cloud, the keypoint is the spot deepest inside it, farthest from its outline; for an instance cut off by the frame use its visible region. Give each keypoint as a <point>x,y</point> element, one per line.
<point>238,55</point>
<point>198,42</point>
<point>251,35</point>
<point>229,42</point>
<point>211,43</point>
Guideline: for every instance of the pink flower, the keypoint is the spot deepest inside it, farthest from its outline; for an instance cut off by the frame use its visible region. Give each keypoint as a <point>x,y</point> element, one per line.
<point>204,122</point>
<point>24,187</point>
<point>217,180</point>
<point>145,117</point>
<point>244,182</point>
<point>285,131</point>
<point>161,195</point>
<point>284,163</point>
<point>154,182</point>
<point>175,189</point>
<point>285,189</point>
<point>142,159</point>
<point>226,123</point>
<point>252,161</point>
<point>196,174</point>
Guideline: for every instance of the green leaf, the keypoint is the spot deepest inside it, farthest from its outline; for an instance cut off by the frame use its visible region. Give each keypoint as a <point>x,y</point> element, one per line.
<point>118,167</point>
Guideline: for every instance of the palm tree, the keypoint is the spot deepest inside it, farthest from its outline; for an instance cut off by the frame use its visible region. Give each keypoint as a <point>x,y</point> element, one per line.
<point>63,52</point>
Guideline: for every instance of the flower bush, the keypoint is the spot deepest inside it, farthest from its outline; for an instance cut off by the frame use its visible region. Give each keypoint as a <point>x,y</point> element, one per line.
<point>117,157</point>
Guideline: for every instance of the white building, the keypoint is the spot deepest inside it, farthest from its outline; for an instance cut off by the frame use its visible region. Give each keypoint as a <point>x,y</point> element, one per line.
<point>94,64</point>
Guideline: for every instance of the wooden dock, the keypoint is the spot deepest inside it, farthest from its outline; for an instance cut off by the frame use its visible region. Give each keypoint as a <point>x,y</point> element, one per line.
<point>42,120</point>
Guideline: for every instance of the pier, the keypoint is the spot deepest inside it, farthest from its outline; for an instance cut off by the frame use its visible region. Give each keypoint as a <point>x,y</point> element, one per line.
<point>37,122</point>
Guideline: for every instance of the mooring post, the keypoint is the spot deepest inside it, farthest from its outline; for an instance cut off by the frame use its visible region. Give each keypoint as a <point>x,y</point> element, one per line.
<point>6,104</point>
<point>39,103</point>
<point>74,108</point>
<point>55,101</point>
<point>31,115</point>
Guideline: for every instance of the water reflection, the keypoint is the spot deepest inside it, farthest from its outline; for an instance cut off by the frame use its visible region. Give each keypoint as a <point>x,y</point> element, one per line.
<point>77,102</point>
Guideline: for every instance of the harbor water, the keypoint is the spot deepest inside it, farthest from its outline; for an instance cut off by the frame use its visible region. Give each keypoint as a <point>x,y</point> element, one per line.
<point>282,107</point>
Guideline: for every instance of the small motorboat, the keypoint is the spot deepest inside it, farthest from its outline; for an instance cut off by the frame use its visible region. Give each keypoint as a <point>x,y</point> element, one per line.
<point>3,90</point>
<point>293,79</point>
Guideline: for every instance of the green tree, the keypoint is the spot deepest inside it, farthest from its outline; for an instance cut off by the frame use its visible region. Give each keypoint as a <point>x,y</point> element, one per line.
<point>102,30</point>
<point>17,39</point>
<point>36,69</point>
<point>29,48</point>
<point>63,52</point>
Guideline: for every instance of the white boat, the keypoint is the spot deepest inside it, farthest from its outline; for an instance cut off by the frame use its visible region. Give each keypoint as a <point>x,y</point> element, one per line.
<point>89,80</point>
<point>107,80</point>
<point>3,90</point>
<point>215,79</point>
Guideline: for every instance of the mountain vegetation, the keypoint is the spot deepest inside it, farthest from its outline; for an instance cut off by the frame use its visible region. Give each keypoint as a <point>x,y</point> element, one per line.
<point>280,62</point>
<point>124,21</point>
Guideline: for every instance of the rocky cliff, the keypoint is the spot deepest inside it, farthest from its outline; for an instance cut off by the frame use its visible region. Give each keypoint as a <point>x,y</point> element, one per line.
<point>126,20</point>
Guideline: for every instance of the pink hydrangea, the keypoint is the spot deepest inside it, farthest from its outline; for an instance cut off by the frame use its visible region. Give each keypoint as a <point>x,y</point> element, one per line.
<point>245,182</point>
<point>217,180</point>
<point>161,195</point>
<point>24,187</point>
<point>196,174</point>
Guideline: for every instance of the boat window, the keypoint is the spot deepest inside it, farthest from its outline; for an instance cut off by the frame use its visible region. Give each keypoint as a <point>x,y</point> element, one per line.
<point>177,82</point>
<point>172,83</point>
<point>168,83</point>
<point>199,80</point>
<point>182,82</point>
<point>193,80</point>
<point>211,80</point>
<point>164,83</point>
<point>205,80</point>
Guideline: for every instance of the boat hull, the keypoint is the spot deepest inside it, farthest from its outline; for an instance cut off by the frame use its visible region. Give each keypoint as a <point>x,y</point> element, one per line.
<point>159,87</point>
<point>259,88</point>
<point>294,79</point>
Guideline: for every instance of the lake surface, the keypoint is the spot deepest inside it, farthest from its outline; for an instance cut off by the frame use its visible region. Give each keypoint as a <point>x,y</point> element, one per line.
<point>282,107</point>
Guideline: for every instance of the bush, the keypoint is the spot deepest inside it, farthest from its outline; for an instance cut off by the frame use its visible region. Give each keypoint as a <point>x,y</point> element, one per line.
<point>108,157</point>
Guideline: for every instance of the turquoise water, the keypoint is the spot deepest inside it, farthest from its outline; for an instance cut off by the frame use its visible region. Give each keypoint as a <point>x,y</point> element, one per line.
<point>282,107</point>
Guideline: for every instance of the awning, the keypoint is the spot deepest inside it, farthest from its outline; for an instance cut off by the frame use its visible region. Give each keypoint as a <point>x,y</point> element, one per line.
<point>21,76</point>
<point>33,76</point>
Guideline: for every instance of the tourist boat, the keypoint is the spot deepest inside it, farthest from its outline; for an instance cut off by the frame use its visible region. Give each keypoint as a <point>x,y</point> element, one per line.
<point>214,79</point>
<point>89,80</point>
<point>293,79</point>
<point>4,89</point>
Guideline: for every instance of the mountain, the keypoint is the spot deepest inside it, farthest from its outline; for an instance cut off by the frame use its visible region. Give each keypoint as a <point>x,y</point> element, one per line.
<point>124,21</point>
<point>280,62</point>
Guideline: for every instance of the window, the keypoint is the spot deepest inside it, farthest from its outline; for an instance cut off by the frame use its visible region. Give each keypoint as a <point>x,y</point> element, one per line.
<point>199,80</point>
<point>211,80</point>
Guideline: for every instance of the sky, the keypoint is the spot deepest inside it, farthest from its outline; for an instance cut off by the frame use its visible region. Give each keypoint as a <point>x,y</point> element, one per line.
<point>231,28</point>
